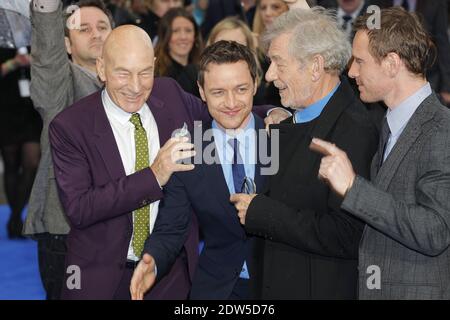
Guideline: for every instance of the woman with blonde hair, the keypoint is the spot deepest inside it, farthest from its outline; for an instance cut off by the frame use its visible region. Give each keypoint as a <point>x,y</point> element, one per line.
<point>235,29</point>
<point>266,12</point>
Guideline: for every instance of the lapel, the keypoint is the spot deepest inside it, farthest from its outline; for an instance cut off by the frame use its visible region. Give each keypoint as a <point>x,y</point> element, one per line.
<point>343,97</point>
<point>163,119</point>
<point>326,122</point>
<point>211,175</point>
<point>106,143</point>
<point>409,136</point>
<point>259,179</point>
<point>212,178</point>
<point>374,166</point>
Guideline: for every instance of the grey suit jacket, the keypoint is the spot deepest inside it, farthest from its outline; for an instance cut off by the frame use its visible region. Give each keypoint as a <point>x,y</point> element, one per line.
<point>56,83</point>
<point>407,211</point>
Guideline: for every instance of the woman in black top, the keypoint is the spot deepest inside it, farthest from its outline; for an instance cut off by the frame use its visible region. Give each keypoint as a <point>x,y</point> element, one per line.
<point>178,49</point>
<point>147,13</point>
<point>20,129</point>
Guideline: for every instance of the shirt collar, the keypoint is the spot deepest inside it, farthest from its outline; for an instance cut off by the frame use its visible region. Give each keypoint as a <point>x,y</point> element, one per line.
<point>247,144</point>
<point>398,117</point>
<point>314,110</point>
<point>239,134</point>
<point>118,113</point>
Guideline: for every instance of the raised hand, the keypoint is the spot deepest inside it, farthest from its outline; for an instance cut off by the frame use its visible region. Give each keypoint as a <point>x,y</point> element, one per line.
<point>276,116</point>
<point>335,167</point>
<point>165,164</point>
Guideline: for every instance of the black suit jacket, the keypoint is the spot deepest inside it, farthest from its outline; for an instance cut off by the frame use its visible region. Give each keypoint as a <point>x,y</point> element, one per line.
<point>204,190</point>
<point>435,18</point>
<point>311,246</point>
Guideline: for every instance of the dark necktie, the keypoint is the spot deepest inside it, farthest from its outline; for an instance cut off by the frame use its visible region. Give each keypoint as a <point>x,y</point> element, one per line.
<point>238,180</point>
<point>346,22</point>
<point>405,4</point>
<point>237,167</point>
<point>384,137</point>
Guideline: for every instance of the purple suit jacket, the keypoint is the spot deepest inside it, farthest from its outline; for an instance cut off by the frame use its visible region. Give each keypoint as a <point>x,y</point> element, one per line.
<point>99,198</point>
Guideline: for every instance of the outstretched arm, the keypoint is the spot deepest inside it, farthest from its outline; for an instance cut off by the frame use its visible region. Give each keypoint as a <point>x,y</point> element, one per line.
<point>51,79</point>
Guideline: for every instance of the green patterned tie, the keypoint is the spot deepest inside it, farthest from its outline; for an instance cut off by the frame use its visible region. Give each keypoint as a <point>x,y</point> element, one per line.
<point>141,227</point>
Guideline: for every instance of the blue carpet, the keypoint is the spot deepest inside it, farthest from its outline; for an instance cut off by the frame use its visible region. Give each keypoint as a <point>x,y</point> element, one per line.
<point>19,270</point>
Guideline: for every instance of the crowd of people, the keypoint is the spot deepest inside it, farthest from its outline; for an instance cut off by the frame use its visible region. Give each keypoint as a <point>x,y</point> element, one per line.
<point>356,119</point>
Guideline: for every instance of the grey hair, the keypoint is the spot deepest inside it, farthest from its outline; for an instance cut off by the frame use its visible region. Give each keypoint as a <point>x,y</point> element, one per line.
<point>314,32</point>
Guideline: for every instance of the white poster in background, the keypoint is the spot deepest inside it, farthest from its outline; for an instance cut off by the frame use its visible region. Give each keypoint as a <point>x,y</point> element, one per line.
<point>15,27</point>
<point>20,6</point>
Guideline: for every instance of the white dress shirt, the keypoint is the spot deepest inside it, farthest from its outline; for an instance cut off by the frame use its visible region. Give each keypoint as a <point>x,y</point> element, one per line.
<point>247,142</point>
<point>123,131</point>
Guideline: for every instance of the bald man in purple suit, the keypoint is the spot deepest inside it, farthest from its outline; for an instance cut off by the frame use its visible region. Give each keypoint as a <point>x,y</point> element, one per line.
<point>94,156</point>
<point>96,148</point>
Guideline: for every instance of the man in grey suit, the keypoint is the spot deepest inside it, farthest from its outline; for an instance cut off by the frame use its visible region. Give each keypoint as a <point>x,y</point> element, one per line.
<point>404,252</point>
<point>57,82</point>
